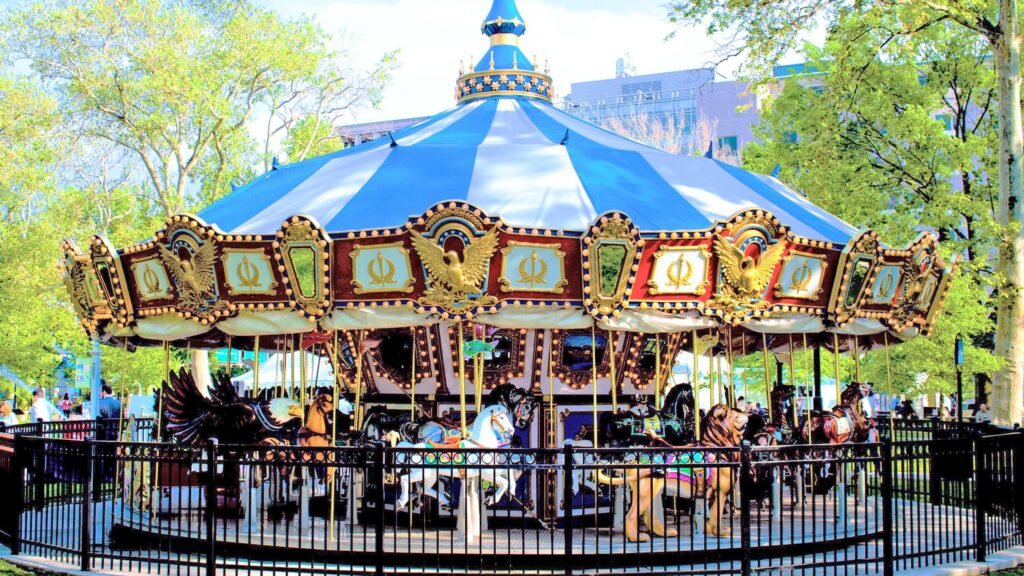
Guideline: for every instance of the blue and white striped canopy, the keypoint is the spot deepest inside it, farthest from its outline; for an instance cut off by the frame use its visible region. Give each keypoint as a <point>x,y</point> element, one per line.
<point>522,160</point>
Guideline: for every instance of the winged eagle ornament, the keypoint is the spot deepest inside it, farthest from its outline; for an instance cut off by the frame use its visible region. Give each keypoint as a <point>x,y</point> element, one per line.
<point>193,277</point>
<point>453,279</point>
<point>745,278</point>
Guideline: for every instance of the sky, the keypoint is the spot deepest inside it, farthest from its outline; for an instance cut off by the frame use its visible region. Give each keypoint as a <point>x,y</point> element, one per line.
<point>580,40</point>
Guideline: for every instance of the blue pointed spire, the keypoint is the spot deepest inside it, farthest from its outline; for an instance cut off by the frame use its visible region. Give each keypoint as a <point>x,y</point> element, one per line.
<point>504,18</point>
<point>504,69</point>
<point>776,171</point>
<point>711,150</point>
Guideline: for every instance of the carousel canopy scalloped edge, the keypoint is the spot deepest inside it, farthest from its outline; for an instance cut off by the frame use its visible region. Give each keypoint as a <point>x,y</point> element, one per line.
<point>194,283</point>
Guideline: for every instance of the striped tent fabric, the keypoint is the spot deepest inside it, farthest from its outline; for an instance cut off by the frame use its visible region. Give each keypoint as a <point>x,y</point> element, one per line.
<point>521,159</point>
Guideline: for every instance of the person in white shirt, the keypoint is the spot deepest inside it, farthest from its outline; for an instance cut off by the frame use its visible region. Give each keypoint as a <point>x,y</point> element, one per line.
<point>40,410</point>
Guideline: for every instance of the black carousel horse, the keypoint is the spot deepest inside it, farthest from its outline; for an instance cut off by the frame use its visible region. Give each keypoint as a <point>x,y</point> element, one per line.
<point>762,431</point>
<point>674,422</point>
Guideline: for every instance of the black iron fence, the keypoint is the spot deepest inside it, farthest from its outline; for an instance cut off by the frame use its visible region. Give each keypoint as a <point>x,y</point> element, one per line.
<point>852,509</point>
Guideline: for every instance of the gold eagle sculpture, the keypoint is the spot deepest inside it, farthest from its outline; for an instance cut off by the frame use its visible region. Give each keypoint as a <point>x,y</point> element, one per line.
<point>745,276</point>
<point>453,278</point>
<point>194,277</point>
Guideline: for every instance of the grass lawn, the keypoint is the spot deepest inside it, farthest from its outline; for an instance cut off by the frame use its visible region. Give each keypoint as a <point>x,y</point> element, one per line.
<point>7,569</point>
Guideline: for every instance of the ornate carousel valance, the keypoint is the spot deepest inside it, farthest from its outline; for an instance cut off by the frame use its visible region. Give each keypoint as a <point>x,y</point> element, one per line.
<point>456,263</point>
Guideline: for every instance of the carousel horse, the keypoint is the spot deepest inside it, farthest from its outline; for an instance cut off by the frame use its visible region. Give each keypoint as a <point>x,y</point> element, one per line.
<point>763,432</point>
<point>193,416</point>
<point>722,428</point>
<point>674,422</point>
<point>316,433</point>
<point>520,405</point>
<point>844,424</point>
<point>492,429</point>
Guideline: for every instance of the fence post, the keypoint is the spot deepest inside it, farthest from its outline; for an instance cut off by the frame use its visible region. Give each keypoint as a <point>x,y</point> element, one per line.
<point>378,504</point>
<point>745,507</point>
<point>211,507</point>
<point>888,568</point>
<point>1018,486</point>
<point>567,507</point>
<point>980,499</point>
<point>85,526</point>
<point>19,484</point>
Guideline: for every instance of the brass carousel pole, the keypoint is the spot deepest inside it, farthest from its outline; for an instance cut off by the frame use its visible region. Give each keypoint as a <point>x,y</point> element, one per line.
<point>412,379</point>
<point>551,391</point>
<point>696,386</point>
<point>767,384</point>
<point>657,372</point>
<point>792,381</point>
<point>256,368</point>
<point>808,398</point>
<point>334,430</point>
<point>732,372</point>
<point>888,382</point>
<point>462,380</point>
<point>229,356</point>
<point>743,352</point>
<point>856,358</point>
<point>593,372</point>
<point>610,350</point>
<point>835,358</point>
<point>359,380</point>
<point>302,374</point>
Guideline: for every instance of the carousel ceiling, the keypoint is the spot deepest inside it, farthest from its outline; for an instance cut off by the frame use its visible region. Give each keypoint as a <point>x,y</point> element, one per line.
<point>510,211</point>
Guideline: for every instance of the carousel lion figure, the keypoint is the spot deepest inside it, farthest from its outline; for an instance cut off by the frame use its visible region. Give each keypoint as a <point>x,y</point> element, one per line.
<point>722,428</point>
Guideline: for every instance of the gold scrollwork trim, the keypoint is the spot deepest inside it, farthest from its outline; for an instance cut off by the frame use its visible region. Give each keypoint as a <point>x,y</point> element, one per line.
<point>529,275</point>
<point>801,277</point>
<point>148,286</point>
<point>381,270</point>
<point>680,276</point>
<point>246,274</point>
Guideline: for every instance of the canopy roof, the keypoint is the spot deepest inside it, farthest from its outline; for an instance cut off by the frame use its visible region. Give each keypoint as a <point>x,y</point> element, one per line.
<point>522,159</point>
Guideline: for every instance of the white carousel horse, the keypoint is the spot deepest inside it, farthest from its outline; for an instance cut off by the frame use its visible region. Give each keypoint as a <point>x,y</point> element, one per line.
<point>492,429</point>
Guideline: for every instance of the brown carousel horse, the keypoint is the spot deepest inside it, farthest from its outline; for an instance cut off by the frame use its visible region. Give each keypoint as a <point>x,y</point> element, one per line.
<point>316,432</point>
<point>844,424</point>
<point>722,428</point>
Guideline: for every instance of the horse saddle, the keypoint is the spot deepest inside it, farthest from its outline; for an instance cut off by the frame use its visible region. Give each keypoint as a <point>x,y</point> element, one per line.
<point>840,425</point>
<point>653,424</point>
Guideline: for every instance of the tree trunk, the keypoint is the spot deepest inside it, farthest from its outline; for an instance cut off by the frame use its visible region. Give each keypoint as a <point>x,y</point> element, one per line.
<point>1008,386</point>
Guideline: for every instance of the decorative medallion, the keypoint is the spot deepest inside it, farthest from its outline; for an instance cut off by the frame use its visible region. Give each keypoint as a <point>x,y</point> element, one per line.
<point>574,353</point>
<point>887,280</point>
<point>922,275</point>
<point>611,252</point>
<point>302,252</point>
<point>680,270</point>
<point>188,253</point>
<point>456,256</point>
<point>381,268</point>
<point>151,279</point>
<point>532,267</point>
<point>747,251</point>
<point>248,272</point>
<point>802,276</point>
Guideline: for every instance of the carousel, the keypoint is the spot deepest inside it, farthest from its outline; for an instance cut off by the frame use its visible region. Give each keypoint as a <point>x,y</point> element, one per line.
<point>502,251</point>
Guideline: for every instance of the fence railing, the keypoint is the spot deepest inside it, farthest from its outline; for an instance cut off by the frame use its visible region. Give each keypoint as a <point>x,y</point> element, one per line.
<point>167,508</point>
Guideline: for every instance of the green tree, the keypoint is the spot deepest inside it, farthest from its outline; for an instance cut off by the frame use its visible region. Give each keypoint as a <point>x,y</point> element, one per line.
<point>890,29</point>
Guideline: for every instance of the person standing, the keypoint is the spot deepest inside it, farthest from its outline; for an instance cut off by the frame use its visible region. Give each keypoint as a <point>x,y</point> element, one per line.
<point>40,410</point>
<point>108,408</point>
<point>983,414</point>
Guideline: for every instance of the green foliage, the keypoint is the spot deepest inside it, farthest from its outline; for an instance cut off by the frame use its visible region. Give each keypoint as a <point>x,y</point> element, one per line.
<point>311,137</point>
<point>127,111</point>
<point>900,142</point>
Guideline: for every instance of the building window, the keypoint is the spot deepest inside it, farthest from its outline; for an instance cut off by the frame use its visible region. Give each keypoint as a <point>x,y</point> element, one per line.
<point>728,144</point>
<point>947,123</point>
<point>790,137</point>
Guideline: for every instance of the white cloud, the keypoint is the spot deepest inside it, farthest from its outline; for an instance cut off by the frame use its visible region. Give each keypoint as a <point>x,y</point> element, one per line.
<point>580,39</point>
